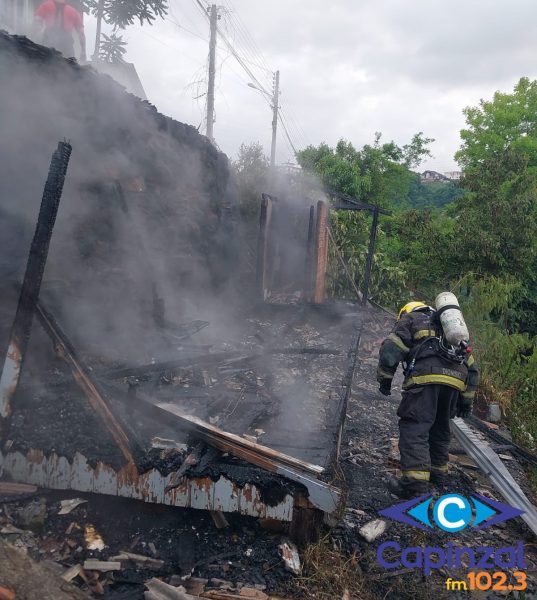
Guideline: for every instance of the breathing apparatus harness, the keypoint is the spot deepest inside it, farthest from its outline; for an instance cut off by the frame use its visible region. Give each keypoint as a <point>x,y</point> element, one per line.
<point>438,343</point>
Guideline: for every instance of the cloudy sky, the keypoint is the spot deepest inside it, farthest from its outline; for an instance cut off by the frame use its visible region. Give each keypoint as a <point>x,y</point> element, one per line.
<point>348,67</point>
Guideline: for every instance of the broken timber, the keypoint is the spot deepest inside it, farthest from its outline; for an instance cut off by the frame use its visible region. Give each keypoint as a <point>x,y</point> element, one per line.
<point>322,495</point>
<point>31,285</point>
<point>495,470</point>
<point>83,378</point>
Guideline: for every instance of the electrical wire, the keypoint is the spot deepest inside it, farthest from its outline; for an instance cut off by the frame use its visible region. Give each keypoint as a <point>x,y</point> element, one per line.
<point>243,63</point>
<point>174,22</point>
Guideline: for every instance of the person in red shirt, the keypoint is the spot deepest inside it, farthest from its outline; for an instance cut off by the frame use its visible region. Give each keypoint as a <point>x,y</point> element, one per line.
<point>58,21</point>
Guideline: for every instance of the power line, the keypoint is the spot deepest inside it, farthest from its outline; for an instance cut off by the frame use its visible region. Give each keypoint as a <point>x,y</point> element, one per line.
<point>250,73</point>
<point>186,16</point>
<point>287,133</point>
<point>248,50</point>
<point>238,58</point>
<point>174,22</point>
<point>249,39</point>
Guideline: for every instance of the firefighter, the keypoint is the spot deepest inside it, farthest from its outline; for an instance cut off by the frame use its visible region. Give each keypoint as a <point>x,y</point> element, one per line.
<point>436,388</point>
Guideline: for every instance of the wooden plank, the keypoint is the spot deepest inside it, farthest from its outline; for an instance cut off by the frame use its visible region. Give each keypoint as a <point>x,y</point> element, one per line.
<point>321,253</point>
<point>16,489</point>
<point>229,442</point>
<point>85,381</point>
<point>92,564</point>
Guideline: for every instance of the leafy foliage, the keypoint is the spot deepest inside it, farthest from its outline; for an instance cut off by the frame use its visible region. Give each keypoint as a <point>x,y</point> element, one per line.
<point>122,13</point>
<point>432,195</point>
<point>479,240</point>
<point>252,172</point>
<point>379,174</point>
<point>112,48</point>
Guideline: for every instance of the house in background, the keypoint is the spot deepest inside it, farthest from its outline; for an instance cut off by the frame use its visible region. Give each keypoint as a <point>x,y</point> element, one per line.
<point>124,73</point>
<point>16,16</point>
<point>432,176</point>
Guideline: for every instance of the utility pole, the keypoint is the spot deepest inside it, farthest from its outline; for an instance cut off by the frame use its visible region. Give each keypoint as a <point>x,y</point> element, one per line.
<point>275,108</point>
<point>100,9</point>
<point>213,13</point>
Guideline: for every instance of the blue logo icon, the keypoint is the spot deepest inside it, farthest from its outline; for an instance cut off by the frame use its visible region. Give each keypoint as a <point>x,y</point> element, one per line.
<point>451,512</point>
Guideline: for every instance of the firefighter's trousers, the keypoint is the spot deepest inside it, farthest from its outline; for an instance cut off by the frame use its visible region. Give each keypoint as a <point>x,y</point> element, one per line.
<point>424,433</point>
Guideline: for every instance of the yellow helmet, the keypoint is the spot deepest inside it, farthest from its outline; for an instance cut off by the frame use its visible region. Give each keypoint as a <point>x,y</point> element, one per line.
<point>409,307</point>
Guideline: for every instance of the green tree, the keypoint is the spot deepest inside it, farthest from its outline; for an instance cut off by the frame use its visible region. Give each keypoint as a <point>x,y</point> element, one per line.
<point>496,232</point>
<point>252,173</point>
<point>508,122</point>
<point>112,48</point>
<point>497,219</point>
<point>378,173</point>
<point>121,14</point>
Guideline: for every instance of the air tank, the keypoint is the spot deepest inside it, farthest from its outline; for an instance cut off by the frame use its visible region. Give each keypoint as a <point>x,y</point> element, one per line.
<point>451,318</point>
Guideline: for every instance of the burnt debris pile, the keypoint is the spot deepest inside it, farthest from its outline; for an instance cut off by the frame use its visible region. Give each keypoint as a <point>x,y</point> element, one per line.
<point>154,371</point>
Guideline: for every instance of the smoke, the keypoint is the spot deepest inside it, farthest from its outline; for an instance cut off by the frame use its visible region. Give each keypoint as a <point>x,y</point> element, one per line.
<point>145,222</point>
<point>147,236</point>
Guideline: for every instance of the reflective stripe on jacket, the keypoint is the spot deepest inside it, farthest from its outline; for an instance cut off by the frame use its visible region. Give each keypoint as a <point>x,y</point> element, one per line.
<point>409,339</point>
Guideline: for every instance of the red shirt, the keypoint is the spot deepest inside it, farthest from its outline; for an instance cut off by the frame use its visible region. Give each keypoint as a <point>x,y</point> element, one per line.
<point>50,12</point>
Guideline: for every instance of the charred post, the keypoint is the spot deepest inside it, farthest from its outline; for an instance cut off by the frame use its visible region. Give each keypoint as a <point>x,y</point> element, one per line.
<point>308,292</point>
<point>321,253</point>
<point>263,245</point>
<point>31,285</point>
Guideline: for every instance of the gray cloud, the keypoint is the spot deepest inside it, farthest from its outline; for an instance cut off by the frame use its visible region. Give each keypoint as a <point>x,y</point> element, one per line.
<point>348,68</point>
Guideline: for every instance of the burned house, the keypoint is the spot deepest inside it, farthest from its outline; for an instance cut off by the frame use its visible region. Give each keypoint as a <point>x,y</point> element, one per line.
<point>154,370</point>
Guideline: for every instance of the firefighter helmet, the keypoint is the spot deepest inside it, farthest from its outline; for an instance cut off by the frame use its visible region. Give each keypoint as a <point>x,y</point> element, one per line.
<point>409,307</point>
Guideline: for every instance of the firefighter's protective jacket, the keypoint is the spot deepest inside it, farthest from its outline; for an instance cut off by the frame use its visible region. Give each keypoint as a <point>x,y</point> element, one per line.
<point>415,337</point>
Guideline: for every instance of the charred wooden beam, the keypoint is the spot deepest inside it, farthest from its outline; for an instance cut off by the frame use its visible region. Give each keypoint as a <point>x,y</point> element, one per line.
<point>86,382</point>
<point>171,365</point>
<point>310,252</point>
<point>347,202</point>
<point>209,359</point>
<point>31,285</point>
<point>321,495</point>
<point>346,389</point>
<point>263,246</point>
<point>307,350</point>
<point>321,253</point>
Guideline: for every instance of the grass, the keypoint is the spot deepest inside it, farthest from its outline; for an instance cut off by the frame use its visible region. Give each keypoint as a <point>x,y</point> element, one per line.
<point>329,575</point>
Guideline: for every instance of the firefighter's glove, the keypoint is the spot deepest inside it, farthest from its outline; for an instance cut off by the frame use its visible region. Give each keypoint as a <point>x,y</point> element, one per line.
<point>464,406</point>
<point>385,387</point>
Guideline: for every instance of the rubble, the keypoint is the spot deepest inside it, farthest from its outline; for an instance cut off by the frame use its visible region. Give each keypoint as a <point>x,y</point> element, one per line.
<point>373,530</point>
<point>67,506</point>
<point>219,519</point>
<point>291,558</point>
<point>158,590</point>
<point>33,515</point>
<point>93,564</point>
<point>93,540</point>
<point>144,562</point>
